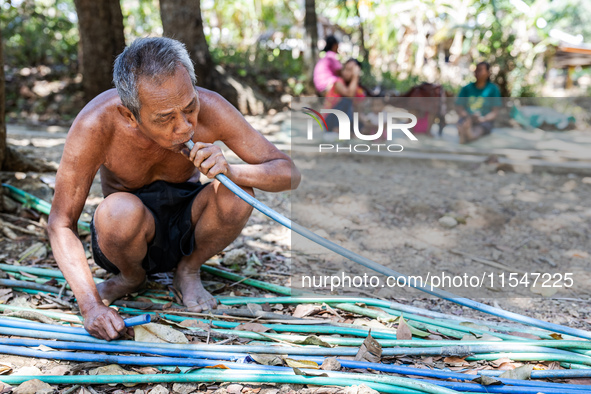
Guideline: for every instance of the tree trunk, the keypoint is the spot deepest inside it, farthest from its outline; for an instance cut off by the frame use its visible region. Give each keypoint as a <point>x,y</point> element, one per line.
<point>101,40</point>
<point>311,53</point>
<point>363,49</point>
<point>2,119</point>
<point>182,20</point>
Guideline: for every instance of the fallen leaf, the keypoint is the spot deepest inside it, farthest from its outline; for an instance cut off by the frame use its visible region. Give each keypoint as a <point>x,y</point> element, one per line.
<point>506,366</point>
<point>146,370</point>
<point>5,368</point>
<point>403,331</point>
<point>195,323</point>
<point>414,331</point>
<point>255,327</point>
<point>521,373</point>
<point>58,370</point>
<point>556,336</point>
<point>500,361</point>
<point>153,332</point>
<point>487,380</point>
<point>313,340</point>
<point>475,326</point>
<point>370,350</point>
<point>298,371</point>
<point>456,361</point>
<point>218,366</point>
<point>301,363</point>
<point>481,337</point>
<point>113,369</point>
<point>371,323</point>
<point>267,359</point>
<point>524,335</point>
<point>303,310</point>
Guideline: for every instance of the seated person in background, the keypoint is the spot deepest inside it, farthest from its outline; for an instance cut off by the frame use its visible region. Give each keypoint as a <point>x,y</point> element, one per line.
<point>328,69</point>
<point>478,105</point>
<point>345,86</point>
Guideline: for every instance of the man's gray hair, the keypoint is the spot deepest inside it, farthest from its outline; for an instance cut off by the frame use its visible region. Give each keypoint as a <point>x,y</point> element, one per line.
<point>151,57</point>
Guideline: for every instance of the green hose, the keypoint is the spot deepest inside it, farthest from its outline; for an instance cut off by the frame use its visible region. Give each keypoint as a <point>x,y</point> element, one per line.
<point>37,271</point>
<point>251,282</point>
<point>448,329</point>
<point>42,206</point>
<point>401,385</point>
<point>532,357</point>
<point>54,315</point>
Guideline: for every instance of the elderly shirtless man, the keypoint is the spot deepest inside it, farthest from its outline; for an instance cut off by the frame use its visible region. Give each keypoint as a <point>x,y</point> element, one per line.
<point>156,216</point>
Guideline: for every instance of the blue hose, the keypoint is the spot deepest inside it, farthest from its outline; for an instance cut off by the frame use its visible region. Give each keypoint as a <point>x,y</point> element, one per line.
<point>559,354</point>
<point>137,320</point>
<point>527,386</point>
<point>208,351</point>
<point>390,272</point>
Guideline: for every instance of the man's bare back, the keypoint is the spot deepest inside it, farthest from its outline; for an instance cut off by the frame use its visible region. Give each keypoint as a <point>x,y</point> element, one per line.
<point>138,147</point>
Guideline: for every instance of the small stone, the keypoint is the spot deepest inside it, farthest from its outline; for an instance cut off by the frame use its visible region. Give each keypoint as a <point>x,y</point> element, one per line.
<point>184,388</point>
<point>235,256</point>
<point>586,180</point>
<point>448,222</point>
<point>28,370</point>
<point>9,204</point>
<point>234,388</point>
<point>331,364</point>
<point>34,386</point>
<point>361,389</point>
<point>555,238</point>
<point>321,233</point>
<point>160,389</point>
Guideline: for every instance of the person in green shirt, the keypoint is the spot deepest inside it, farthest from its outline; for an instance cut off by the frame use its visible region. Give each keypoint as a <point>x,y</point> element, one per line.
<point>478,105</point>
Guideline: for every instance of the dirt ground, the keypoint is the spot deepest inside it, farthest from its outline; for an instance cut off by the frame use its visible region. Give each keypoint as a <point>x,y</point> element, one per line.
<point>389,210</point>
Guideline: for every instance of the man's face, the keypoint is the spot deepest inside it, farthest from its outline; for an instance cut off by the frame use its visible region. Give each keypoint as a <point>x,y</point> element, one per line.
<point>169,109</point>
<point>482,72</point>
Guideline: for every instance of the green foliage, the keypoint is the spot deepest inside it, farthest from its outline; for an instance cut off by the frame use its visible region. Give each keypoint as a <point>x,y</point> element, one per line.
<point>142,18</point>
<point>42,32</point>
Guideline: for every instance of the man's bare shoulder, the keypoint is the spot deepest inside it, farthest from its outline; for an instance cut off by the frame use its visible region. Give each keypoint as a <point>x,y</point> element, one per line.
<point>99,116</point>
<point>217,115</point>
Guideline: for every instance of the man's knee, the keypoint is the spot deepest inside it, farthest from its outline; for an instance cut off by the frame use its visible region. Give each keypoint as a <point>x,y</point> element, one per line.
<point>120,218</point>
<point>233,208</point>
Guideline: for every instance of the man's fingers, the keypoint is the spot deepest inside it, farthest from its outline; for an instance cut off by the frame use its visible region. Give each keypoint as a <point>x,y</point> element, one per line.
<point>217,169</point>
<point>207,164</point>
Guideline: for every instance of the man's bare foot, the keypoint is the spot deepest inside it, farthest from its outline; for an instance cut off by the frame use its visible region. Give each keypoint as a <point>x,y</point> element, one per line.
<point>118,286</point>
<point>195,297</point>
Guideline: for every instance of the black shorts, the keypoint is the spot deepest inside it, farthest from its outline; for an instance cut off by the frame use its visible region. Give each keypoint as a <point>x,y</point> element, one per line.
<point>170,204</point>
<point>486,126</point>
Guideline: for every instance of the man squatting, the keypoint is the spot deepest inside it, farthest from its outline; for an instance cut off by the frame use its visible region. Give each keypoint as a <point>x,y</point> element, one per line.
<point>156,215</point>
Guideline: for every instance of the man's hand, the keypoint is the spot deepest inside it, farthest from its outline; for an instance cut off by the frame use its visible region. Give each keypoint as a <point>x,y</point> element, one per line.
<point>209,159</point>
<point>104,323</point>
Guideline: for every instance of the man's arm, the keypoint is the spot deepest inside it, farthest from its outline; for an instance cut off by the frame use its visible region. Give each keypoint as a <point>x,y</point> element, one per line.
<point>80,162</point>
<point>268,168</point>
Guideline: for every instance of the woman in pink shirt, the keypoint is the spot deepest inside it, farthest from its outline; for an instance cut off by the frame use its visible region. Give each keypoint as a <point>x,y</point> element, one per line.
<point>328,69</point>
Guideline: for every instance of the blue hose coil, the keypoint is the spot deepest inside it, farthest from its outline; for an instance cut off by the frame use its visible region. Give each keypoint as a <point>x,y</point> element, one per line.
<point>388,271</point>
